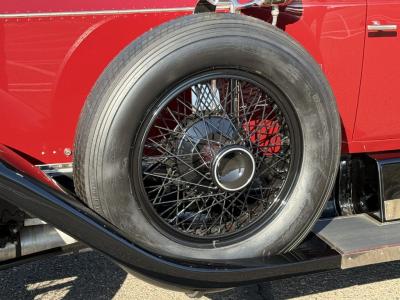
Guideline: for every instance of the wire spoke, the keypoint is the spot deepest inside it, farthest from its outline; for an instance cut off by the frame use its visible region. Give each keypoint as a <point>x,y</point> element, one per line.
<point>182,141</point>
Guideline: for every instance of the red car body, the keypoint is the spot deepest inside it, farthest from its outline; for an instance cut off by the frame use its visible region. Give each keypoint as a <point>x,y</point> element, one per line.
<point>52,53</point>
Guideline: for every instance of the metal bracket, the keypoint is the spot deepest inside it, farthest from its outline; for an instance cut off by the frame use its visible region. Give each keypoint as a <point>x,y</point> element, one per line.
<point>236,6</point>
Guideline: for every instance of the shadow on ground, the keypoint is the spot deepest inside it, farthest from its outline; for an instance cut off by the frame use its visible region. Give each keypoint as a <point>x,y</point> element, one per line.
<point>313,283</point>
<point>90,275</point>
<point>87,275</point>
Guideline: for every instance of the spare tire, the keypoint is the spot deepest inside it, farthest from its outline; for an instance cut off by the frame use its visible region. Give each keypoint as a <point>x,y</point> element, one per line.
<point>214,136</point>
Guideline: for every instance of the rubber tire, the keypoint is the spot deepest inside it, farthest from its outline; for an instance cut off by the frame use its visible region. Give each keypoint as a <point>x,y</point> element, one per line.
<point>155,62</point>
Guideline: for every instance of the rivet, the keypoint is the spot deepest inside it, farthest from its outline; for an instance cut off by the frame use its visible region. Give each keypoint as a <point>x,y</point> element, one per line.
<point>67,151</point>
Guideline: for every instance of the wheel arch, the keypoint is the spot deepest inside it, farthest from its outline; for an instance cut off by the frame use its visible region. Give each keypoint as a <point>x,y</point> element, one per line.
<point>84,56</point>
<point>89,55</point>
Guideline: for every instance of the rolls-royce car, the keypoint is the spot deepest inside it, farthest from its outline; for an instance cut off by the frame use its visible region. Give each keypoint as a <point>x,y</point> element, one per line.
<point>201,145</point>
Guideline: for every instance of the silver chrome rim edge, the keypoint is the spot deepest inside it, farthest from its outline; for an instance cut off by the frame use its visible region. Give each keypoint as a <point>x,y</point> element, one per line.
<point>95,12</point>
<point>219,157</point>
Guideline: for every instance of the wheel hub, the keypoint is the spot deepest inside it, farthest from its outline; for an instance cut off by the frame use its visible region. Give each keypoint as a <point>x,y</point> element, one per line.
<point>200,144</point>
<point>233,168</point>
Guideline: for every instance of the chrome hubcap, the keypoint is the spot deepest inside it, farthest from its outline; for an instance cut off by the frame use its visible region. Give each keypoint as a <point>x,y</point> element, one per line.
<point>233,168</point>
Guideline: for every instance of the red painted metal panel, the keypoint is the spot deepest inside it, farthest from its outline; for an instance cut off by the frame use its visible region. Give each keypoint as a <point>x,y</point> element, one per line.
<point>47,68</point>
<point>333,32</point>
<point>23,6</point>
<point>49,64</point>
<point>378,115</point>
<point>23,167</point>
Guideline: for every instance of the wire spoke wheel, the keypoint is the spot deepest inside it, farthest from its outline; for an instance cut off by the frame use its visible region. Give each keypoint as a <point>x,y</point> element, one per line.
<point>218,156</point>
<point>212,137</point>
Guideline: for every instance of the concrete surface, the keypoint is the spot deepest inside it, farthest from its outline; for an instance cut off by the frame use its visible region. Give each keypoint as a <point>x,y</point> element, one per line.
<point>89,275</point>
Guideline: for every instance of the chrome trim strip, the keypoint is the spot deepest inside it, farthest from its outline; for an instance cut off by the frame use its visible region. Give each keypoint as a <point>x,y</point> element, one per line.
<point>63,168</point>
<point>379,27</point>
<point>33,222</point>
<point>95,12</point>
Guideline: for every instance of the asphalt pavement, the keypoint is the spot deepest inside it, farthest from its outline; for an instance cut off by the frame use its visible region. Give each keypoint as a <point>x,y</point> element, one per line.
<point>90,275</point>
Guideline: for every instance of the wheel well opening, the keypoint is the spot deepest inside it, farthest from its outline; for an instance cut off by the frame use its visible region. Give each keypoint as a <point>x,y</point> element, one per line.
<point>203,6</point>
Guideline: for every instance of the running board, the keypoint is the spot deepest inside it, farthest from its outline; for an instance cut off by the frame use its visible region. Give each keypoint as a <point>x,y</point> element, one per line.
<point>360,239</point>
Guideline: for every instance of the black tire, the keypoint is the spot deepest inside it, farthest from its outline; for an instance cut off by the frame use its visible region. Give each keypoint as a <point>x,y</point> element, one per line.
<point>131,85</point>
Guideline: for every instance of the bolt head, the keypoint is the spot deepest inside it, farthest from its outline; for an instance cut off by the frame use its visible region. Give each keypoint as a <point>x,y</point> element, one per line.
<point>67,151</point>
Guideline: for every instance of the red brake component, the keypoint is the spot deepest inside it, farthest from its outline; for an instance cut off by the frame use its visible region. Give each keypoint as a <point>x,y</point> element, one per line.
<point>263,133</point>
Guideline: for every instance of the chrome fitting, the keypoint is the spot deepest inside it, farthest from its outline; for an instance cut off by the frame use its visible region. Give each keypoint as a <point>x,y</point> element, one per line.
<point>235,5</point>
